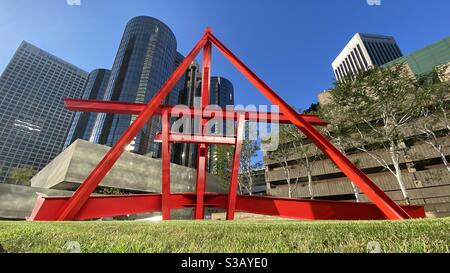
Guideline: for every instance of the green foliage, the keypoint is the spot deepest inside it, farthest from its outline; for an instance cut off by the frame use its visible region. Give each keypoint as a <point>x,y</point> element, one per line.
<point>371,113</point>
<point>223,155</point>
<point>378,103</point>
<point>312,109</point>
<point>21,175</point>
<point>257,236</point>
<point>111,191</point>
<point>2,169</point>
<point>438,99</point>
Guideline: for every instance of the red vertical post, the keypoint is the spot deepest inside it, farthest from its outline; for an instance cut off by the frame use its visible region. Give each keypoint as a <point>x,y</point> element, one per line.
<point>202,153</point>
<point>165,187</point>
<point>232,192</point>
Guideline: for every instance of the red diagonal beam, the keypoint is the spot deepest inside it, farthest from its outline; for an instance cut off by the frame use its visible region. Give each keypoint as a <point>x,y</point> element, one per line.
<point>234,178</point>
<point>128,108</point>
<point>391,209</point>
<point>79,198</point>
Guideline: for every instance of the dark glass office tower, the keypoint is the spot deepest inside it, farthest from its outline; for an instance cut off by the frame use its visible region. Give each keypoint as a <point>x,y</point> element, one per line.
<point>144,61</point>
<point>174,95</point>
<point>83,122</point>
<point>33,120</point>
<point>184,153</point>
<point>221,94</point>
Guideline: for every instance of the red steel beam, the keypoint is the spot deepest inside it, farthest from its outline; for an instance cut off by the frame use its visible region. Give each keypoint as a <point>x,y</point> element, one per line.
<point>391,209</point>
<point>165,167</point>
<point>128,108</point>
<point>79,198</point>
<point>47,208</point>
<point>202,154</point>
<point>183,138</point>
<point>234,180</point>
<point>70,208</point>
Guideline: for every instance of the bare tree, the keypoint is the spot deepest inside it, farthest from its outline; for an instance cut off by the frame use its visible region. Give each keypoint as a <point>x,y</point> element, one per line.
<point>338,131</point>
<point>294,151</point>
<point>248,165</point>
<point>307,151</point>
<point>282,156</point>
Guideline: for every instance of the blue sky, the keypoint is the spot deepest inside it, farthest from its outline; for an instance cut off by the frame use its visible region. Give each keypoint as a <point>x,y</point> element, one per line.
<point>290,44</point>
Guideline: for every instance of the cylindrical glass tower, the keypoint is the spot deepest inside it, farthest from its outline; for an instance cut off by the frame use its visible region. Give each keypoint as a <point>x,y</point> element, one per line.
<point>143,63</point>
<point>83,122</point>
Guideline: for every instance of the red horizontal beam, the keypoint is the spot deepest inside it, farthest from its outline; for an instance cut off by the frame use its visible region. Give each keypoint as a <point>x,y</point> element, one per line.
<point>47,208</point>
<point>128,108</point>
<point>183,138</point>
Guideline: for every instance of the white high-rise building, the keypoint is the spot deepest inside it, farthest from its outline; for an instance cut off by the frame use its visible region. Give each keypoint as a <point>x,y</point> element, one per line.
<point>363,52</point>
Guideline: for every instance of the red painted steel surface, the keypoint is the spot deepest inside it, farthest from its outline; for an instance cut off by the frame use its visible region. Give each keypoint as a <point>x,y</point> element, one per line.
<point>202,149</point>
<point>374,193</point>
<point>110,206</point>
<point>232,192</point>
<point>79,198</point>
<point>182,138</point>
<point>165,167</point>
<point>84,206</point>
<point>127,108</point>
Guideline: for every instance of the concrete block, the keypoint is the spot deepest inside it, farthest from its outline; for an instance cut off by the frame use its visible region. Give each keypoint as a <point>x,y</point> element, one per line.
<point>131,172</point>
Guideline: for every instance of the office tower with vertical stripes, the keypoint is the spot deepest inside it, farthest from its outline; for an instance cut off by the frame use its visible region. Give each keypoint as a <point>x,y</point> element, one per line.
<point>363,52</point>
<point>33,120</point>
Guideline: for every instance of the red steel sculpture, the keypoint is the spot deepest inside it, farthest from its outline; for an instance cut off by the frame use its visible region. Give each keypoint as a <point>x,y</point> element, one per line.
<point>83,205</point>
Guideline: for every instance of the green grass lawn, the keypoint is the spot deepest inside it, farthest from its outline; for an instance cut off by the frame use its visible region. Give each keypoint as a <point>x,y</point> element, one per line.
<point>219,236</point>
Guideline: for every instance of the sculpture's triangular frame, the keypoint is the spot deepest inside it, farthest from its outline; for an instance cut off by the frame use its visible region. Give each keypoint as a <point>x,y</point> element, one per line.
<point>70,208</point>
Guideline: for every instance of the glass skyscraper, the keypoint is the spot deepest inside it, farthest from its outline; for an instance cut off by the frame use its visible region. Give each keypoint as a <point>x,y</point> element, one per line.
<point>185,153</point>
<point>144,61</point>
<point>146,57</point>
<point>33,120</point>
<point>221,94</point>
<point>83,122</point>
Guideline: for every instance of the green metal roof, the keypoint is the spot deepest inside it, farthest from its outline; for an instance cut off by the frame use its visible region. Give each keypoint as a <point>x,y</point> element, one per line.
<point>424,60</point>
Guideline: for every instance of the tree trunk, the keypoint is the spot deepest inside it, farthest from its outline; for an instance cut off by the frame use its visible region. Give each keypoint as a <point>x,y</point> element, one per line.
<point>309,173</point>
<point>439,148</point>
<point>395,157</point>
<point>444,159</point>
<point>288,179</point>
<point>355,192</point>
<point>355,189</point>
<point>250,182</point>
<point>310,186</point>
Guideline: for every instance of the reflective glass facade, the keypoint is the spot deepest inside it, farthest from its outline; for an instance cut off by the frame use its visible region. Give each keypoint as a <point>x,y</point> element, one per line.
<point>143,63</point>
<point>83,122</point>
<point>184,153</point>
<point>222,92</point>
<point>33,120</point>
